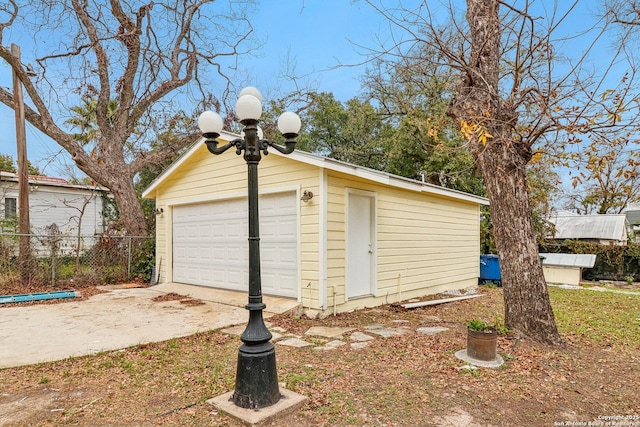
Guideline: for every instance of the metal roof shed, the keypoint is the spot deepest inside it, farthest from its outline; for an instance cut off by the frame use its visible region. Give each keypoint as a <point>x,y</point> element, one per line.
<point>566,269</point>
<point>604,229</point>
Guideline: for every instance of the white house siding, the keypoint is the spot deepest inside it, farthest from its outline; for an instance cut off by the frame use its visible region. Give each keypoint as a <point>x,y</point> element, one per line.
<point>65,205</point>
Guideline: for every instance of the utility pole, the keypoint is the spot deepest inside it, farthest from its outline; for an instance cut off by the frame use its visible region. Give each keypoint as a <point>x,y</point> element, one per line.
<point>24,255</point>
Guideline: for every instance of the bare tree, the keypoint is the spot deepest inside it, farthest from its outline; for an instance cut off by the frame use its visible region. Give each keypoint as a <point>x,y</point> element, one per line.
<point>609,179</point>
<point>132,58</point>
<point>510,101</point>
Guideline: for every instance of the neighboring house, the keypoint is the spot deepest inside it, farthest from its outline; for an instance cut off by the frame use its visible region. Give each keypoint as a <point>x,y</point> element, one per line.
<point>565,269</point>
<point>633,218</point>
<point>364,238</point>
<point>70,207</point>
<point>603,229</point>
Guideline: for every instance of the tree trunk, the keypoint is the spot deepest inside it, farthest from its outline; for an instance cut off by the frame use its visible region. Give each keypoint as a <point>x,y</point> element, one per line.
<point>503,158</point>
<point>527,308</point>
<point>110,170</point>
<point>126,198</point>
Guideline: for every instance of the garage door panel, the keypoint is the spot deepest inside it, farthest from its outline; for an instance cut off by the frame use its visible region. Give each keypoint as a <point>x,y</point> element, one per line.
<point>210,245</point>
<point>280,281</point>
<point>280,229</point>
<point>287,257</point>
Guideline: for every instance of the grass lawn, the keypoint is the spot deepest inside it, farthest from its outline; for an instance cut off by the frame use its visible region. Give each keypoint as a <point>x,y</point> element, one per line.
<point>408,380</point>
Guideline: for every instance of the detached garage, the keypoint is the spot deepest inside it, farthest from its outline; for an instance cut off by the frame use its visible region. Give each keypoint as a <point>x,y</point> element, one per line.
<point>363,238</point>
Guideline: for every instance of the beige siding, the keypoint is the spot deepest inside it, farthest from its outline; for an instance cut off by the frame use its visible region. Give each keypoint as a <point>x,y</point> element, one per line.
<point>562,275</point>
<point>425,244</point>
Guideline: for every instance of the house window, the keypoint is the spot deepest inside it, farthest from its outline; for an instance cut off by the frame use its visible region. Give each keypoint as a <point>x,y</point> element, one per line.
<point>10,207</point>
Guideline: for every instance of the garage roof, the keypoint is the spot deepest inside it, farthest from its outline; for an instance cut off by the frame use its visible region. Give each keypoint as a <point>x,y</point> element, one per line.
<point>330,164</point>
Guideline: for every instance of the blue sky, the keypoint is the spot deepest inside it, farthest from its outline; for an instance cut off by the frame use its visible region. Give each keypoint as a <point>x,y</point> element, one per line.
<point>316,35</point>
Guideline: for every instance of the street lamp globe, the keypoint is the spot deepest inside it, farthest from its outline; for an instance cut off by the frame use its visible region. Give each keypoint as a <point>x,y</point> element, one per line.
<point>248,107</point>
<point>289,123</point>
<point>250,90</point>
<point>210,122</point>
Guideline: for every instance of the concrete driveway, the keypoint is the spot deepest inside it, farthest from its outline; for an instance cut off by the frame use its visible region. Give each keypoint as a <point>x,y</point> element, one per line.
<point>118,319</point>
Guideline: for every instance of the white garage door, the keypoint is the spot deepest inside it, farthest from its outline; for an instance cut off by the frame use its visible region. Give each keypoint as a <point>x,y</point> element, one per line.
<point>210,246</point>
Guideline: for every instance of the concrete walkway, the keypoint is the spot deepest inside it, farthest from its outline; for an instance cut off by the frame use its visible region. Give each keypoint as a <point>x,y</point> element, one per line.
<point>118,319</point>
<point>595,289</point>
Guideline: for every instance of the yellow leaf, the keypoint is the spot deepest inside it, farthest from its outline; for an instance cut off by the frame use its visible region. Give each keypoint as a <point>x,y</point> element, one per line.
<point>433,133</point>
<point>606,93</point>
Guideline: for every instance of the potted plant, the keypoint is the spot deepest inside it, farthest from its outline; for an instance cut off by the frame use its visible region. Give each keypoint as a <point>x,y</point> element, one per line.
<point>482,340</point>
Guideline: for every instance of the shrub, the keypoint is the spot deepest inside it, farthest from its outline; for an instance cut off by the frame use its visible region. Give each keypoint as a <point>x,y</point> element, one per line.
<point>478,325</point>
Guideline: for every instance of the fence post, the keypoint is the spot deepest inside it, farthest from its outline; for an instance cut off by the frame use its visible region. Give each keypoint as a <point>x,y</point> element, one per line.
<point>129,258</point>
<point>53,261</point>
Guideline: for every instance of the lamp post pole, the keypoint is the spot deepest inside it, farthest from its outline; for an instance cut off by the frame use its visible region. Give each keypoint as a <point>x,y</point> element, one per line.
<point>256,375</point>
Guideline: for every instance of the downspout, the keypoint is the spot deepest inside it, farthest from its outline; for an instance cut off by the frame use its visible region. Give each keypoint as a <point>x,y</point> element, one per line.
<point>335,305</point>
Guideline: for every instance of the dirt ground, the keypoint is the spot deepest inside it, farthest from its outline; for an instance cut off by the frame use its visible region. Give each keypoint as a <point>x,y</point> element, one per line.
<point>407,380</point>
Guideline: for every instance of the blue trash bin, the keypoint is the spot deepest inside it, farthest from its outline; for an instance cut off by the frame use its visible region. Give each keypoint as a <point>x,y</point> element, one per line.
<point>490,269</point>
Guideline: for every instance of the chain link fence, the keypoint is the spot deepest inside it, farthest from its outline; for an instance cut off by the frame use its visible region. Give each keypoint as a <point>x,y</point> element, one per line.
<point>59,260</point>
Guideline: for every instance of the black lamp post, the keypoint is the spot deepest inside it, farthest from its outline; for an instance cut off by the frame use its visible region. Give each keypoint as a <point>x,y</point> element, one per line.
<point>256,375</point>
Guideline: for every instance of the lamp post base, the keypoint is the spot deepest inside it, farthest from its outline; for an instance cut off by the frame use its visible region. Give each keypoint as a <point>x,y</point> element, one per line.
<point>256,377</point>
<point>289,404</point>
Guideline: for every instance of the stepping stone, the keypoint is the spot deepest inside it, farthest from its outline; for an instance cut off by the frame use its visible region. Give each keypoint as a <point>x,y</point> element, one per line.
<point>331,345</point>
<point>360,337</point>
<point>390,332</point>
<point>275,336</point>
<point>294,342</point>
<point>432,330</point>
<point>376,326</point>
<point>324,331</point>
<point>359,345</point>
<point>399,321</point>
